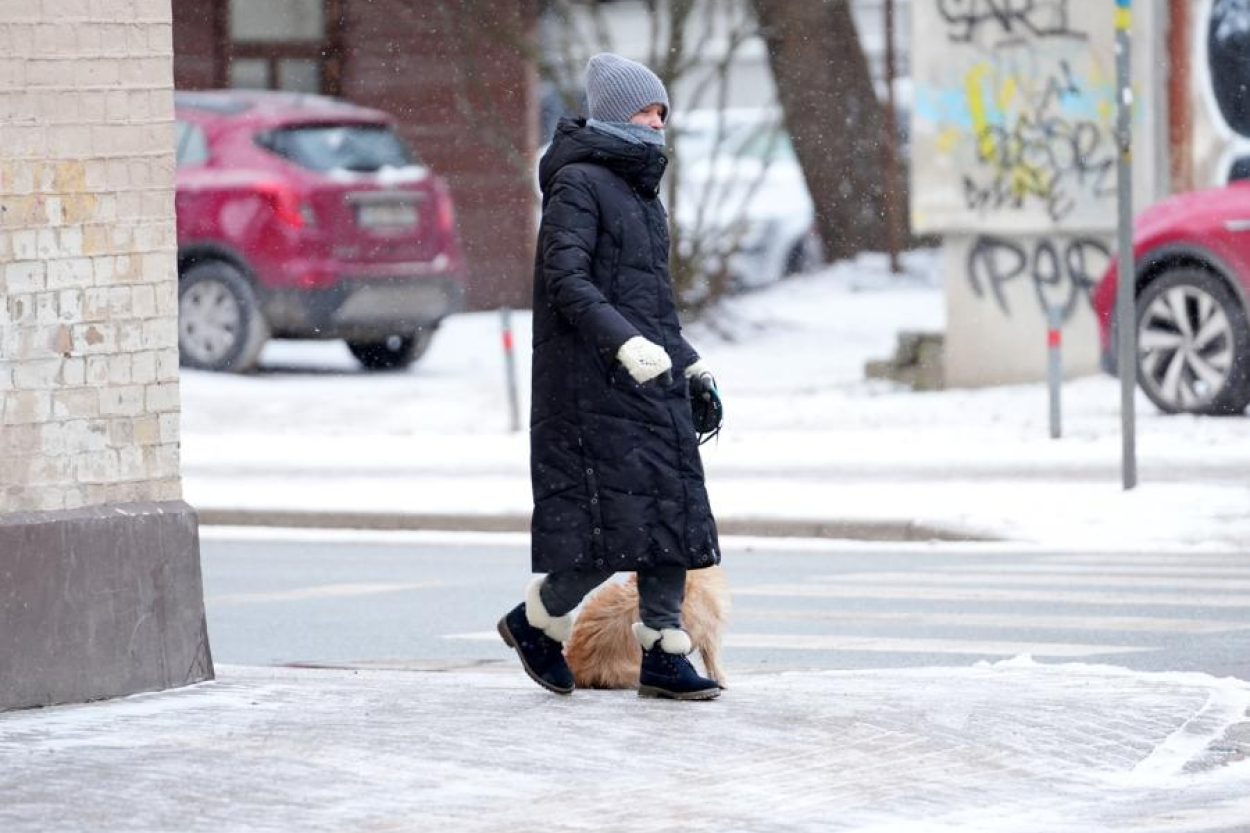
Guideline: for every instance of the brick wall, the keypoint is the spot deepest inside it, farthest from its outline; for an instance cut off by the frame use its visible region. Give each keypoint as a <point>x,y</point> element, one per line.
<point>88,292</point>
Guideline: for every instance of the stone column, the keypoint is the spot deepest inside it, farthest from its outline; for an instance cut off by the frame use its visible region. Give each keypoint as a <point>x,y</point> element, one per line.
<point>100,590</point>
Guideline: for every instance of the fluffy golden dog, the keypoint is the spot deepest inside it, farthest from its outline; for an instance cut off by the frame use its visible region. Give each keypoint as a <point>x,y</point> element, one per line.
<point>603,652</point>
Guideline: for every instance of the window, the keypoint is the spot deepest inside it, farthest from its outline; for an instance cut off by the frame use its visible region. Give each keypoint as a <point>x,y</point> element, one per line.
<point>277,20</point>
<point>283,45</point>
<point>302,75</point>
<point>249,73</point>
<point>192,145</point>
<point>351,147</point>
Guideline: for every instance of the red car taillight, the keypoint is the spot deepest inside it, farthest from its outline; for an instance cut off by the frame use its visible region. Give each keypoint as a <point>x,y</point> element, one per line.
<point>287,205</point>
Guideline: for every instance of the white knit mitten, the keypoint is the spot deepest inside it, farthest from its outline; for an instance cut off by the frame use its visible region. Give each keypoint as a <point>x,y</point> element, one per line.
<point>645,360</point>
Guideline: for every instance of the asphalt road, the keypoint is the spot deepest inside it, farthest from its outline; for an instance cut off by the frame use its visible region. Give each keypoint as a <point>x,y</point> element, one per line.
<point>429,600</point>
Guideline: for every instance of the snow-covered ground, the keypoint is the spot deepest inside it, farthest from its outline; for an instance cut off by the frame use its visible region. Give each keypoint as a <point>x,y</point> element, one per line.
<point>1013,747</point>
<point>806,437</point>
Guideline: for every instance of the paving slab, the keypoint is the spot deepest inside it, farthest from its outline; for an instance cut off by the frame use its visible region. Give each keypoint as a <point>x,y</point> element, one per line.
<point>1014,746</point>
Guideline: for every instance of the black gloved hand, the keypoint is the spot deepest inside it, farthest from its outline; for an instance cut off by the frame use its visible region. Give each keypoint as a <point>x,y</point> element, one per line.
<point>705,406</point>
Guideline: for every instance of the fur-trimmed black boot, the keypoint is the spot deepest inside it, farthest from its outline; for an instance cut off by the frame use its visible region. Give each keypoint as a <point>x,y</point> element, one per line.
<point>538,638</point>
<point>665,670</point>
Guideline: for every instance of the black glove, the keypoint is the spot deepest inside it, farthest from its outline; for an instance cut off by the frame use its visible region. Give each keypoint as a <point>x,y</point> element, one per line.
<point>705,406</point>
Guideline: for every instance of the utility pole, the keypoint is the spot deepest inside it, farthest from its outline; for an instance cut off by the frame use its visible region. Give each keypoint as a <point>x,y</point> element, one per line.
<point>892,196</point>
<point>1126,313</point>
<point>1180,99</point>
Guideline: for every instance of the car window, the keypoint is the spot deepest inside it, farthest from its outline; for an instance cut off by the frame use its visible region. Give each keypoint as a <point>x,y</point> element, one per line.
<point>192,145</point>
<point>706,140</point>
<point>760,140</point>
<point>766,144</point>
<point>327,147</point>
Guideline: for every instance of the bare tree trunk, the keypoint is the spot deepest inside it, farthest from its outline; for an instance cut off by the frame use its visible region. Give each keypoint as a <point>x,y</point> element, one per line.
<point>833,115</point>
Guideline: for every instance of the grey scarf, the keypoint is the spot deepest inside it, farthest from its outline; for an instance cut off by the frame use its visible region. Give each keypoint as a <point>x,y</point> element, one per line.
<point>635,134</point>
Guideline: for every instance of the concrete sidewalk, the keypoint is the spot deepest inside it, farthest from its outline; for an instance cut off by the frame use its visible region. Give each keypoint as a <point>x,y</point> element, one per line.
<point>1010,747</point>
<point>844,529</point>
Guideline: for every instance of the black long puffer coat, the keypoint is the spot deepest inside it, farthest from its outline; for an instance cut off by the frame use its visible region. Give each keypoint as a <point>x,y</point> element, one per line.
<point>615,467</point>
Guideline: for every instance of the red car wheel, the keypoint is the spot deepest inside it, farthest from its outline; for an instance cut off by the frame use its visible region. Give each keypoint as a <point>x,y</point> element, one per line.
<point>219,322</point>
<point>1193,344</point>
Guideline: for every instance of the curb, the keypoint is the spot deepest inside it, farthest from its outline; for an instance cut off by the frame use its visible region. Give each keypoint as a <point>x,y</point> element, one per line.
<point>847,529</point>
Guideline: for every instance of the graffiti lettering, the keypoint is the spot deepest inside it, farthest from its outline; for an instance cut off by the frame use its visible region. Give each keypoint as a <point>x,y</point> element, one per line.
<point>1042,156</point>
<point>1015,119</point>
<point>1012,20</point>
<point>1062,271</point>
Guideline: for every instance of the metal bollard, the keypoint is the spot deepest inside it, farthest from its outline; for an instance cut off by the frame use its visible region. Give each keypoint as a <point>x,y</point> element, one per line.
<point>514,406</point>
<point>1054,365</point>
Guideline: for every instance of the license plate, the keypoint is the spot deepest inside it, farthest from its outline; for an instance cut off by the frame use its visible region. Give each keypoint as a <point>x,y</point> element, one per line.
<point>386,215</point>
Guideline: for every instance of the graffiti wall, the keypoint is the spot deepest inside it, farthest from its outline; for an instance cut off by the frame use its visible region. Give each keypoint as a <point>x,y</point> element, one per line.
<point>998,290</point>
<point>1014,115</point>
<point>1029,276</point>
<point>1014,156</point>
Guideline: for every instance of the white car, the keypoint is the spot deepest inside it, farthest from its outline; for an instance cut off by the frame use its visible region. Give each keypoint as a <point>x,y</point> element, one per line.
<point>742,192</point>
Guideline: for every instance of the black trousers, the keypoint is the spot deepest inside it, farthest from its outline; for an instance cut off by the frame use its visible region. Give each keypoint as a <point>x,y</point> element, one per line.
<point>661,591</point>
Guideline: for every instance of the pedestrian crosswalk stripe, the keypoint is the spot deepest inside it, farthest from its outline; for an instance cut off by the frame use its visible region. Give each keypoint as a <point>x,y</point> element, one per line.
<point>475,636</point>
<point>1026,607</point>
<point>1197,570</point>
<point>1006,619</point>
<point>994,594</point>
<point>902,645</point>
<point>890,644</point>
<point>320,591</point>
<point>996,577</point>
<point>1235,560</point>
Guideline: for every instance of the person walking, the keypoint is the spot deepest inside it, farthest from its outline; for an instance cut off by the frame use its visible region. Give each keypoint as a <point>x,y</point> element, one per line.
<point>614,457</point>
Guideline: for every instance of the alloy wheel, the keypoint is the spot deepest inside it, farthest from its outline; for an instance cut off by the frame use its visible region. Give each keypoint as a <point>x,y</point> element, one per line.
<point>209,321</point>
<point>1185,346</point>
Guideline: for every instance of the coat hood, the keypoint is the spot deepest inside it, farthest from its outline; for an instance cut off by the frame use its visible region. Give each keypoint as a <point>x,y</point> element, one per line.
<point>641,166</point>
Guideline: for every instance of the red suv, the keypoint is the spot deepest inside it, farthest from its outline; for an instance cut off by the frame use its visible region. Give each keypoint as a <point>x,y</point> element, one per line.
<point>1192,254</point>
<point>307,217</point>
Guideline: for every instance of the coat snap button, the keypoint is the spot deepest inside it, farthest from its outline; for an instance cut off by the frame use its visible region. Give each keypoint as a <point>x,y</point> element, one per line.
<point>597,530</point>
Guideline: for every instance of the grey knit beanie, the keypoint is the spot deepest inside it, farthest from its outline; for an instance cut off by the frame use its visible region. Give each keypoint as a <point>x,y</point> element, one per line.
<point>617,88</point>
